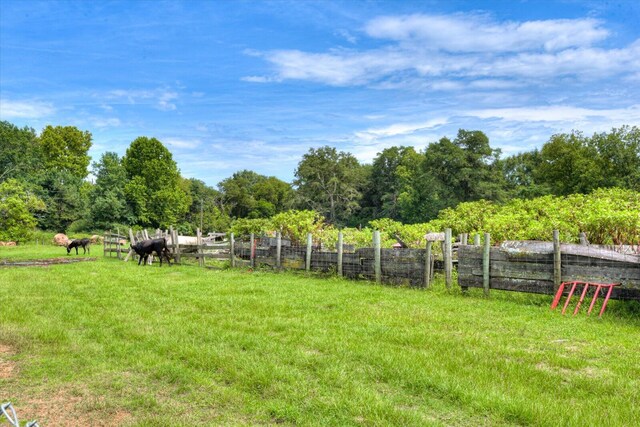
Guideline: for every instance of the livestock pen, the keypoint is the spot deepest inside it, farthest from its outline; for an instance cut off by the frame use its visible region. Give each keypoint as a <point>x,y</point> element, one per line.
<point>535,267</point>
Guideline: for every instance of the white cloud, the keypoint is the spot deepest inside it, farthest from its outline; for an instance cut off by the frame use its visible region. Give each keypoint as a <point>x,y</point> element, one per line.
<point>422,49</point>
<point>560,114</point>
<point>346,34</point>
<point>258,79</point>
<point>24,109</point>
<point>397,129</point>
<point>105,122</point>
<point>164,100</point>
<point>160,98</point>
<point>182,143</point>
<point>478,33</point>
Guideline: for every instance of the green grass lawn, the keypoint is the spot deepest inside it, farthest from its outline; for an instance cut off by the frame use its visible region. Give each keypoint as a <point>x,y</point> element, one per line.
<point>111,343</point>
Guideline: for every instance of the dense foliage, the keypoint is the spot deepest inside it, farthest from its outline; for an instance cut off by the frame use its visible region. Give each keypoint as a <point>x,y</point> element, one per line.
<point>573,182</point>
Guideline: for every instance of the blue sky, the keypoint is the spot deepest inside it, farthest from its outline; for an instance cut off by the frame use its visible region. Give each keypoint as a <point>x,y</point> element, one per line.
<point>232,85</point>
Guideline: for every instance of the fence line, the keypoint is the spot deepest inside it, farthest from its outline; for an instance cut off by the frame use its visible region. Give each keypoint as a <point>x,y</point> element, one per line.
<point>537,267</point>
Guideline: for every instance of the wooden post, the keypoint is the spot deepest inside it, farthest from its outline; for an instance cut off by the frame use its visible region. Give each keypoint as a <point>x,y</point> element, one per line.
<point>278,249</point>
<point>340,251</point>
<point>177,245</point>
<point>557,261</point>
<point>464,237</point>
<point>232,249</point>
<point>104,244</point>
<point>173,242</point>
<point>476,239</point>
<point>486,261</point>
<point>252,253</point>
<point>118,243</point>
<point>199,250</point>
<point>427,265</point>
<point>377,256</point>
<point>131,243</point>
<point>309,248</point>
<point>448,258</point>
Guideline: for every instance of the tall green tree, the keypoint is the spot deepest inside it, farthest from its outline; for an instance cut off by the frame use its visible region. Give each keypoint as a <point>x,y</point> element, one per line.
<point>393,172</point>
<point>247,194</point>
<point>65,148</point>
<point>466,168</point>
<point>19,152</point>
<point>520,174</point>
<point>154,191</point>
<point>568,164</point>
<point>17,208</point>
<point>618,157</point>
<point>329,182</point>
<point>66,197</point>
<point>108,201</point>
<point>574,163</point>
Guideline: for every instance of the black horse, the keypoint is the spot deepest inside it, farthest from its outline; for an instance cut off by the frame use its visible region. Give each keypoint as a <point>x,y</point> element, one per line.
<point>84,243</point>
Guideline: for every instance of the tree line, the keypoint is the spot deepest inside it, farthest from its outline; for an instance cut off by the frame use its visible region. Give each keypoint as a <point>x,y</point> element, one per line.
<point>43,181</point>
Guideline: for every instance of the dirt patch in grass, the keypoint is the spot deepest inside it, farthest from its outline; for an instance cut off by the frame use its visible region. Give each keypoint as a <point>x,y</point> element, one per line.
<point>68,408</point>
<point>42,262</point>
<point>8,368</point>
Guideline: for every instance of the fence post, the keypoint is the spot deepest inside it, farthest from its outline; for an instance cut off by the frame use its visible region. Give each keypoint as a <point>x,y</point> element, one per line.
<point>278,249</point>
<point>118,249</point>
<point>104,244</point>
<point>177,245</point>
<point>131,243</point>
<point>309,247</point>
<point>252,251</point>
<point>377,256</point>
<point>427,265</point>
<point>557,261</point>
<point>199,250</point>
<point>448,258</point>
<point>232,249</point>
<point>476,239</point>
<point>340,250</point>
<point>486,261</point>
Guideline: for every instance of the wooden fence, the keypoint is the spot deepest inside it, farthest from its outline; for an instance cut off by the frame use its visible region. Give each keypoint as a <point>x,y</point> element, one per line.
<point>516,266</point>
<point>114,243</point>
<point>540,267</point>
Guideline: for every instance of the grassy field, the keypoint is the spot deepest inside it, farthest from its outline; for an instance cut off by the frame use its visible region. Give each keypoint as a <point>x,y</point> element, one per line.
<point>109,343</point>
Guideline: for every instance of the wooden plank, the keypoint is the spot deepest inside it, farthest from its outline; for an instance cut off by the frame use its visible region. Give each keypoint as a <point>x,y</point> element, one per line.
<point>427,265</point>
<point>278,249</point>
<point>592,251</point>
<point>557,261</point>
<point>309,249</point>
<point>340,252</point>
<point>486,263</point>
<point>448,257</point>
<point>252,250</point>
<point>232,255</point>
<point>377,258</point>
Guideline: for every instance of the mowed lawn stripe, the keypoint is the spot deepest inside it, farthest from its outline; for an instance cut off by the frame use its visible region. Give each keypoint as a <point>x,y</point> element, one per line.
<point>180,345</point>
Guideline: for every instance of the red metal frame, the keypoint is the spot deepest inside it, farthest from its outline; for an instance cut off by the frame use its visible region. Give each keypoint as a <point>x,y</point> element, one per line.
<point>574,284</point>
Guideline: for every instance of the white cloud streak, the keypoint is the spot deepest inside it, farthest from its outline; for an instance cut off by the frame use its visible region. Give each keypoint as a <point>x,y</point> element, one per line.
<point>10,109</point>
<point>162,98</point>
<point>398,129</point>
<point>462,47</point>
<point>478,33</point>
